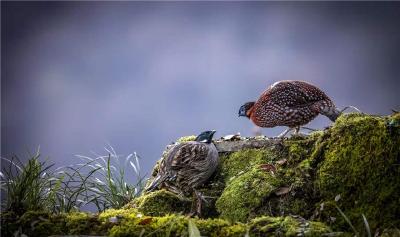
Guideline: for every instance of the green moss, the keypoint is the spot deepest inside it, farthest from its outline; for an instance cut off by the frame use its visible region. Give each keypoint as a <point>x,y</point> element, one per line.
<point>173,225</point>
<point>266,224</point>
<point>239,162</point>
<point>392,232</point>
<point>298,174</point>
<point>187,138</point>
<point>119,213</point>
<point>211,227</point>
<point>170,225</point>
<point>246,193</point>
<point>361,164</point>
<point>235,230</point>
<point>286,226</point>
<point>162,202</point>
<point>8,223</point>
<point>133,223</point>
<point>85,223</point>
<point>248,188</point>
<point>357,158</point>
<point>241,173</point>
<point>34,223</point>
<point>316,229</point>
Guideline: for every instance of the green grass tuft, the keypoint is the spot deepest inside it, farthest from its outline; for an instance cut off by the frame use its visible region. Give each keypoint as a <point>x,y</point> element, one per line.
<point>26,186</point>
<point>101,181</point>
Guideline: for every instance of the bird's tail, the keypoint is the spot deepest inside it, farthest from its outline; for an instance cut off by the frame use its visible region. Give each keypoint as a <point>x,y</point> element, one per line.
<point>155,183</point>
<point>332,113</point>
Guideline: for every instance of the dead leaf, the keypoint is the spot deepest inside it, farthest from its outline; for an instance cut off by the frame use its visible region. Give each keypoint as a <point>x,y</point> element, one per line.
<point>282,190</point>
<point>268,168</point>
<point>146,221</point>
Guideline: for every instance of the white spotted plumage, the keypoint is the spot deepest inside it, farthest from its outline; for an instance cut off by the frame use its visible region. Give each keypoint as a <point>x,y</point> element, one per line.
<point>292,104</point>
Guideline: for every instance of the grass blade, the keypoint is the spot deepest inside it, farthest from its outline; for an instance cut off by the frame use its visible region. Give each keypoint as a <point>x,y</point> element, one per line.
<point>193,230</point>
<point>348,221</point>
<point>367,226</point>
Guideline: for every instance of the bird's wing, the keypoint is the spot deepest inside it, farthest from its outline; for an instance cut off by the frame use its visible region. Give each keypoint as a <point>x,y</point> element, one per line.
<point>311,92</point>
<point>292,93</point>
<point>187,155</point>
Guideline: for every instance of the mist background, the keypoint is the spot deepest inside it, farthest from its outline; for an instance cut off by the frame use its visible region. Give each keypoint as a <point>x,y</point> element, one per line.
<point>77,76</point>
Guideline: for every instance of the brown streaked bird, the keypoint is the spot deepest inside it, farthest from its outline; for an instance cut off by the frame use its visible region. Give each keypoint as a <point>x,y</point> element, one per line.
<point>187,166</point>
<point>289,103</point>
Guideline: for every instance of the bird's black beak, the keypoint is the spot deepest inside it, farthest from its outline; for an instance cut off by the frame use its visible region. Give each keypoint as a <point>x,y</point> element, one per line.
<point>210,136</point>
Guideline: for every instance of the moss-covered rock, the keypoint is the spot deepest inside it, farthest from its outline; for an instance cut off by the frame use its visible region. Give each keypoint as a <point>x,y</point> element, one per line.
<point>160,203</point>
<point>361,166</point>
<point>38,223</point>
<point>271,181</point>
<point>355,159</point>
<point>130,222</point>
<point>245,193</point>
<point>175,225</point>
<point>246,184</point>
<point>295,187</point>
<point>286,226</point>
<point>238,163</point>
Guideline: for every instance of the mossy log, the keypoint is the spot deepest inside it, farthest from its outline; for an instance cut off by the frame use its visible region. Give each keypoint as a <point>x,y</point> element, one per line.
<point>301,186</point>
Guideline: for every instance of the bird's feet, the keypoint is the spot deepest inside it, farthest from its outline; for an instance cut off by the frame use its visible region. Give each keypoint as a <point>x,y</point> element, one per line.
<point>199,199</point>
<point>193,213</point>
<point>204,198</point>
<point>175,190</point>
<point>256,131</point>
<point>296,132</point>
<point>283,134</point>
<point>197,204</point>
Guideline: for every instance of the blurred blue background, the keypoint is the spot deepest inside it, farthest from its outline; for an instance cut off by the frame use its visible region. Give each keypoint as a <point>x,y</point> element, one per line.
<point>77,76</point>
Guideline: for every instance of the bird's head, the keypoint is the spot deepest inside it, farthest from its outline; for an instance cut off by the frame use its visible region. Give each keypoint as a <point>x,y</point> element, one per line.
<point>205,137</point>
<point>246,109</point>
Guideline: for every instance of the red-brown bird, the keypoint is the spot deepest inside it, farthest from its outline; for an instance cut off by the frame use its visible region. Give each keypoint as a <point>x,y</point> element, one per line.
<point>289,103</point>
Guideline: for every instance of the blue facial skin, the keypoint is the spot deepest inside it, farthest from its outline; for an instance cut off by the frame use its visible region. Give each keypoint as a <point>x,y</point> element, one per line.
<point>242,111</point>
<point>244,108</point>
<point>205,137</point>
